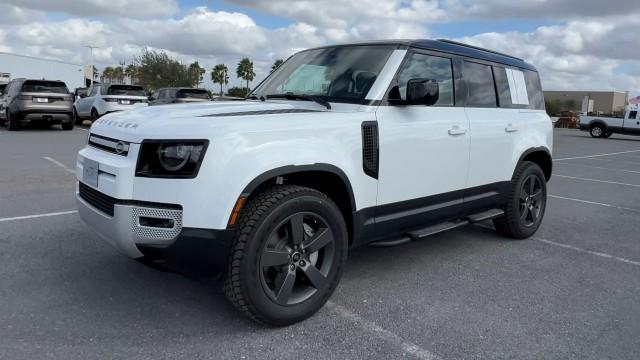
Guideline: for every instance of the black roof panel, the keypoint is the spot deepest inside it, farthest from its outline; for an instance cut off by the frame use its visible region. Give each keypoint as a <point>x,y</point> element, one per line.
<point>451,47</point>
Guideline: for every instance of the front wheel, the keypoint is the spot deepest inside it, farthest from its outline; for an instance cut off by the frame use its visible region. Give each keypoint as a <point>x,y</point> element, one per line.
<point>525,204</point>
<point>597,131</point>
<point>94,115</point>
<point>76,118</point>
<point>288,255</point>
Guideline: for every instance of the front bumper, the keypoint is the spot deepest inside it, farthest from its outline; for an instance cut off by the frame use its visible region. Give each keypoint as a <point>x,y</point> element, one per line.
<point>188,250</point>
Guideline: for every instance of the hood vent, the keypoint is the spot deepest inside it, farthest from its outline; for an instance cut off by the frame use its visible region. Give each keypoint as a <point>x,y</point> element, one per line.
<point>263,112</point>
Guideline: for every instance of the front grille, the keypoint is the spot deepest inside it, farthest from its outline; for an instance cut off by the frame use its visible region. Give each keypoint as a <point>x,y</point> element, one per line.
<point>98,200</point>
<point>110,145</point>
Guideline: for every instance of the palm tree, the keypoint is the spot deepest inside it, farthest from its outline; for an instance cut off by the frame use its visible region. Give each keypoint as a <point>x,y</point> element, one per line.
<point>245,71</point>
<point>131,72</point>
<point>276,64</point>
<point>107,74</point>
<point>118,74</point>
<point>220,75</point>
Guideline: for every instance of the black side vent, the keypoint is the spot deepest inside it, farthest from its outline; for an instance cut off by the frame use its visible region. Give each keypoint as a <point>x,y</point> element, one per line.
<point>370,155</point>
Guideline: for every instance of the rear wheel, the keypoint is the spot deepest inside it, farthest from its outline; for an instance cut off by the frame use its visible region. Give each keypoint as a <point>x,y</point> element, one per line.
<point>288,255</point>
<point>526,203</point>
<point>12,122</point>
<point>597,131</point>
<point>94,115</point>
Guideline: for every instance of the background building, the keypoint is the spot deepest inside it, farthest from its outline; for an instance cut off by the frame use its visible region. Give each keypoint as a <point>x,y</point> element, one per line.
<point>20,66</point>
<point>605,102</point>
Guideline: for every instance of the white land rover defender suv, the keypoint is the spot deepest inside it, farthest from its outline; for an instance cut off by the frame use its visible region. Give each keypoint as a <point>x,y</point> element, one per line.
<point>375,143</point>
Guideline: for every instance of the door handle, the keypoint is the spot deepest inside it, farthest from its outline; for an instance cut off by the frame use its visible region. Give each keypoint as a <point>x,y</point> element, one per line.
<point>456,130</point>
<point>510,128</point>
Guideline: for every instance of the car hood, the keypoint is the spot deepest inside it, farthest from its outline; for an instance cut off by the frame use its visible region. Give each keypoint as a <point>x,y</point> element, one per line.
<point>189,121</point>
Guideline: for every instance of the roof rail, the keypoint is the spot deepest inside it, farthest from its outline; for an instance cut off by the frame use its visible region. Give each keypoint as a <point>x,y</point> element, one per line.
<point>478,48</point>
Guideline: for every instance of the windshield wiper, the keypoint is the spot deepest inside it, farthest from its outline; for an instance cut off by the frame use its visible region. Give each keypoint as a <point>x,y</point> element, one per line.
<point>292,96</point>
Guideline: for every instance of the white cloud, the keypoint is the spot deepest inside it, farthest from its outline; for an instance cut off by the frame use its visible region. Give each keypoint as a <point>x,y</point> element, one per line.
<point>97,8</point>
<point>591,45</point>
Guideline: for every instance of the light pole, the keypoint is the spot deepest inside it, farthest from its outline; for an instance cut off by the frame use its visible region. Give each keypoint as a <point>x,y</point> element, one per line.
<point>91,70</point>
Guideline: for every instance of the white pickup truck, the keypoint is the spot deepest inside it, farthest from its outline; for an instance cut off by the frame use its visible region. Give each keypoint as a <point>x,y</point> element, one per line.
<point>603,127</point>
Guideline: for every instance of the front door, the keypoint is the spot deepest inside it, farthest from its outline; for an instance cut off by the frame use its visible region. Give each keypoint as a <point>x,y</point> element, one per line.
<point>424,150</point>
<point>632,122</point>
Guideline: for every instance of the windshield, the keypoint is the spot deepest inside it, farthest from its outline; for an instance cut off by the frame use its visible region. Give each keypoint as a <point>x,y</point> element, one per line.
<point>193,94</point>
<point>55,87</point>
<point>342,74</point>
<point>125,90</point>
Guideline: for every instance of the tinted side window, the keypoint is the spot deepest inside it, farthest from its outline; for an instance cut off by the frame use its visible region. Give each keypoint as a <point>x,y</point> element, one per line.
<point>480,88</point>
<point>534,90</point>
<point>420,66</point>
<point>633,114</point>
<point>502,85</point>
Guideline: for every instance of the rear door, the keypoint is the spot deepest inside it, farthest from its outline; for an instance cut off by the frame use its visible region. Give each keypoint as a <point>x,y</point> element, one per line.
<point>83,105</point>
<point>493,110</point>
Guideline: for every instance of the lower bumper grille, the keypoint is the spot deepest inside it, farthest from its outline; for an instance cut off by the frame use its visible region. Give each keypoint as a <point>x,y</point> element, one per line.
<point>98,200</point>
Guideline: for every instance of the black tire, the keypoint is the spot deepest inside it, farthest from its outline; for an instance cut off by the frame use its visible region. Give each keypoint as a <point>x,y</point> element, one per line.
<point>526,202</point>
<point>76,119</point>
<point>607,135</point>
<point>264,235</point>
<point>12,122</point>
<point>597,131</point>
<point>67,125</point>
<point>94,115</point>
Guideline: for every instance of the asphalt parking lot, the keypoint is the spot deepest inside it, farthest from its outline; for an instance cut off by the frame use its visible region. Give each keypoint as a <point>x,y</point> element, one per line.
<point>571,292</point>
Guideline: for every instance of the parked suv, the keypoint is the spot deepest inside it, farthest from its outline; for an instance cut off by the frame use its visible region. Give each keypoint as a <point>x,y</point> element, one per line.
<point>102,99</point>
<point>378,143</point>
<point>36,101</point>
<point>178,96</point>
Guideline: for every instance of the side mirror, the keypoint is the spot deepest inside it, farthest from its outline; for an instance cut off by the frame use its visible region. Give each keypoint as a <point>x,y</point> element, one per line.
<point>422,92</point>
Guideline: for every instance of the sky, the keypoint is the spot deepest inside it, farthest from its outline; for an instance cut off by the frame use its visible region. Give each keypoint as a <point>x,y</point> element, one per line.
<point>575,44</point>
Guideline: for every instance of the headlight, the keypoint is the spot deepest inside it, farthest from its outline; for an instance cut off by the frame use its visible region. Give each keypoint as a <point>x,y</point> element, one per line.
<point>170,158</point>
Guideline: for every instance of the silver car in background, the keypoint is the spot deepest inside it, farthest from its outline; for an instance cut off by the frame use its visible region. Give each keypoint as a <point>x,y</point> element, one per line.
<point>102,99</point>
<point>45,102</point>
<point>178,95</point>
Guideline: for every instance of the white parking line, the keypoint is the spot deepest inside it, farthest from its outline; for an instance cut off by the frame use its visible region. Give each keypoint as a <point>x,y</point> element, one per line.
<point>58,163</point>
<point>597,155</point>
<point>593,203</point>
<point>598,167</point>
<point>596,253</point>
<point>596,180</point>
<point>26,217</point>
<point>382,333</point>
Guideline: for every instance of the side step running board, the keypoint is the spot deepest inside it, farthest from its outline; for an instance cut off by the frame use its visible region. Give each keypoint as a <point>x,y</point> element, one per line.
<point>438,228</point>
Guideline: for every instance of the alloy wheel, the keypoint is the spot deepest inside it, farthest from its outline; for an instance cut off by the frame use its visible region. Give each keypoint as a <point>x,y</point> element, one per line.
<point>297,258</point>
<point>531,200</point>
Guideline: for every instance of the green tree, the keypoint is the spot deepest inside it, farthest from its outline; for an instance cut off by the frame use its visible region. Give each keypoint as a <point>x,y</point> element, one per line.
<point>245,70</point>
<point>276,64</point>
<point>107,75</point>
<point>131,71</point>
<point>220,75</point>
<point>118,74</point>
<point>238,91</point>
<point>195,74</point>
<point>156,70</point>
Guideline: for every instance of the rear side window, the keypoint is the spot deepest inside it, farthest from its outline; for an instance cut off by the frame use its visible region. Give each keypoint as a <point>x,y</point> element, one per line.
<point>125,90</point>
<point>502,86</point>
<point>420,66</point>
<point>633,114</point>
<point>481,91</point>
<point>37,86</point>
<point>534,90</point>
<point>193,94</point>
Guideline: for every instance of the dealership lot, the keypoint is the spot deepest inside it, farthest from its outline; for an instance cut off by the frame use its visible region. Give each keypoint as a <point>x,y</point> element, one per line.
<point>571,292</point>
